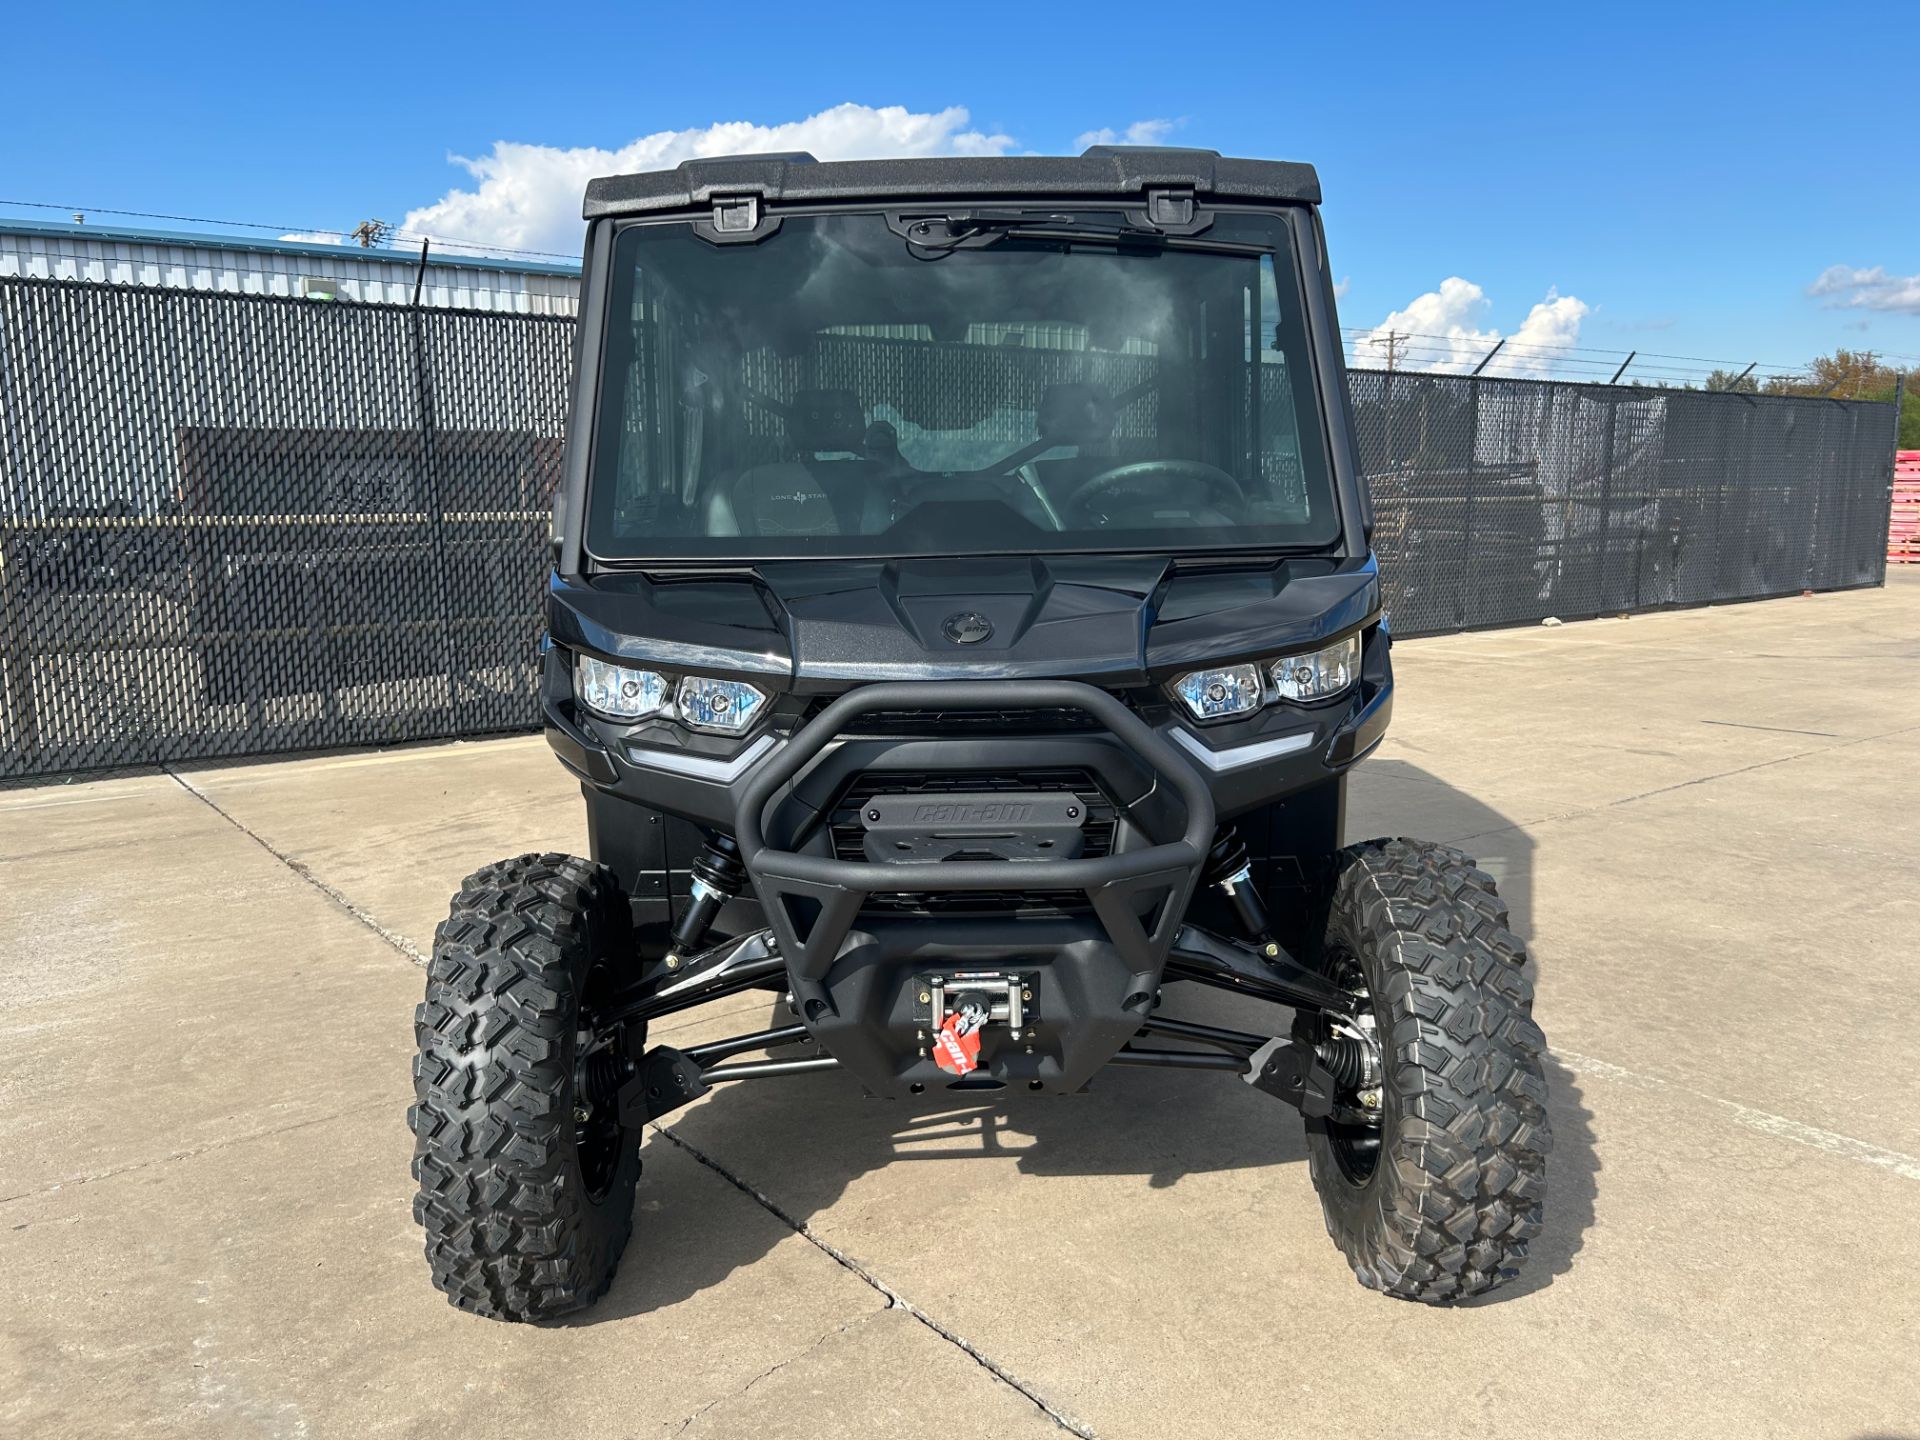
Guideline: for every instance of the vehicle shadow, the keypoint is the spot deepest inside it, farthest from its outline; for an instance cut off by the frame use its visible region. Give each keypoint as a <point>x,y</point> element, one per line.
<point>798,1144</point>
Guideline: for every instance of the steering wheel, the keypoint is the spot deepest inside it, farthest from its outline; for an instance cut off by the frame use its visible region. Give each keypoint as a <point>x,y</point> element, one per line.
<point>1216,482</point>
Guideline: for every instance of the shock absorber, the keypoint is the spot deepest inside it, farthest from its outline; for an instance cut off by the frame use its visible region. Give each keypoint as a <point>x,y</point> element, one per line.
<point>718,876</point>
<point>1230,868</point>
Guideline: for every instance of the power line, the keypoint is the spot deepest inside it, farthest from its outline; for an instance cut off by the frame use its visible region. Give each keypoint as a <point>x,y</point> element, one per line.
<point>1455,351</point>
<point>1432,354</point>
<point>1475,340</point>
<point>1395,341</point>
<point>1539,347</point>
<point>1430,360</point>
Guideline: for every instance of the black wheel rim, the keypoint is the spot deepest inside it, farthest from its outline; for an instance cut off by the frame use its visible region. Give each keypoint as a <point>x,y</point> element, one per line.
<point>598,1140</point>
<point>1355,1147</point>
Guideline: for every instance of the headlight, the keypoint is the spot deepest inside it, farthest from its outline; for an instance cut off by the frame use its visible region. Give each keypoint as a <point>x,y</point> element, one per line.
<point>1319,673</point>
<point>1210,694</point>
<point>617,692</point>
<point>1243,689</point>
<point>727,706</point>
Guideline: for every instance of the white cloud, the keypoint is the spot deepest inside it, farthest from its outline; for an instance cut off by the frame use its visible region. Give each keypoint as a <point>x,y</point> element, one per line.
<point>1441,330</point>
<point>316,237</point>
<point>527,197</point>
<point>1848,287</point>
<point>1140,132</point>
<point>1340,290</point>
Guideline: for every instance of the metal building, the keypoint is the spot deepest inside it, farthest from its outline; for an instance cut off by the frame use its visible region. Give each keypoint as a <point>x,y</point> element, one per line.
<point>185,260</point>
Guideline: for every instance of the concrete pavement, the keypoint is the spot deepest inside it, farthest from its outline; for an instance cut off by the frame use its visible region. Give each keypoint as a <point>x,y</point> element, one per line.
<point>1706,824</point>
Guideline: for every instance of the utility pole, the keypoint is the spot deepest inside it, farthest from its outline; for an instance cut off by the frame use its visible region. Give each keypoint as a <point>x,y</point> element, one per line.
<point>1394,337</point>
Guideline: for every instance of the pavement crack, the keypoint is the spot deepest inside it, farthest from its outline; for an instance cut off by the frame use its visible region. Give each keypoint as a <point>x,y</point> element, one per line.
<point>895,1300</point>
<point>1581,811</point>
<point>1773,729</point>
<point>194,1151</point>
<point>775,1368</point>
<point>393,937</point>
<point>1907,1167</point>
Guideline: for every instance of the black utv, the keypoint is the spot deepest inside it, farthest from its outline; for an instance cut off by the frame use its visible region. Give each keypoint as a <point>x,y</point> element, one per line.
<point>962,623</point>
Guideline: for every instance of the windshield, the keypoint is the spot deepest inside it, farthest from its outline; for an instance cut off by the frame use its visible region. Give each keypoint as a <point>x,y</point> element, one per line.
<point>977,383</point>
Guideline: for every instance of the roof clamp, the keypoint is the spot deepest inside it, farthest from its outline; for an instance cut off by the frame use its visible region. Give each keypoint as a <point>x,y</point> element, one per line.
<point>736,214</point>
<point>1170,209</point>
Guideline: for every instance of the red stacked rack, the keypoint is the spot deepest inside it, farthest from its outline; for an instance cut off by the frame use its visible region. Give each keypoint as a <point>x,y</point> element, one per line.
<point>1903,528</point>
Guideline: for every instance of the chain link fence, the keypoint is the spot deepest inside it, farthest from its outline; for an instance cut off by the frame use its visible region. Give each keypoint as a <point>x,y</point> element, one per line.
<point>239,525</point>
<point>1500,502</point>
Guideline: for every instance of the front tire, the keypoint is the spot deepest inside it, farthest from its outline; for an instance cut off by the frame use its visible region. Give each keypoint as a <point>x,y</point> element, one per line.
<point>526,1185</point>
<point>1438,1201</point>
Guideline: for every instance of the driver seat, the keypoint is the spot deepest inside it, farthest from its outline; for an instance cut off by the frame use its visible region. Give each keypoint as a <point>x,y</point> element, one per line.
<point>810,494</point>
<point>1077,415</point>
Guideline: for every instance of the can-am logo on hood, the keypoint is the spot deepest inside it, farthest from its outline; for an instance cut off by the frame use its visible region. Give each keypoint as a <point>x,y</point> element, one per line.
<point>969,627</point>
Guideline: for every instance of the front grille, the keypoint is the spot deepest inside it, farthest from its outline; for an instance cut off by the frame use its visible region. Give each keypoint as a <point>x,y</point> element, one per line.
<point>1025,720</point>
<point>849,834</point>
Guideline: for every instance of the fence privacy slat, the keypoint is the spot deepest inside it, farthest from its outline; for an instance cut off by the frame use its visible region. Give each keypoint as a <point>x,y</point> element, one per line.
<point>236,525</point>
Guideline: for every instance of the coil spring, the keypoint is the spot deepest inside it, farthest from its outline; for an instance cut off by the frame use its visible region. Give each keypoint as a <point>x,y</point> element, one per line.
<point>720,867</point>
<point>1228,855</point>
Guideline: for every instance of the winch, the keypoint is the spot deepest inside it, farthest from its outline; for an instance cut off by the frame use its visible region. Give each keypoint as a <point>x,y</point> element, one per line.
<point>954,1009</point>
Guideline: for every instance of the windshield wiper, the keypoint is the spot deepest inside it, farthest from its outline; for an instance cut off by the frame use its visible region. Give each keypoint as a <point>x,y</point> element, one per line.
<point>930,237</point>
<point>965,229</point>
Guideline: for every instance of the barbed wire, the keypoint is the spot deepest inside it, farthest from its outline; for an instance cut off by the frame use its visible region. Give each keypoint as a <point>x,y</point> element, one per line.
<point>1425,352</point>
<point>1377,335</point>
<point>1415,360</point>
<point>1449,349</point>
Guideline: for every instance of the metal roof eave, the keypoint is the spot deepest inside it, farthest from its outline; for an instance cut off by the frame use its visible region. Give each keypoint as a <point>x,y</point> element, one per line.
<point>208,240</point>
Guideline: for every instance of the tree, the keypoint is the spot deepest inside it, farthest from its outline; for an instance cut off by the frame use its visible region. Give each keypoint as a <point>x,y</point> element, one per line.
<point>1856,375</point>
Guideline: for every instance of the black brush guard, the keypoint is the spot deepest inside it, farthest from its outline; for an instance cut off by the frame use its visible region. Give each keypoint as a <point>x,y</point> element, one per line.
<point>856,980</point>
<point>860,982</point>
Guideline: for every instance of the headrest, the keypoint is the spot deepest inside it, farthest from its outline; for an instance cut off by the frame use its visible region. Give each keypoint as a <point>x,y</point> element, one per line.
<point>1074,414</point>
<point>825,420</point>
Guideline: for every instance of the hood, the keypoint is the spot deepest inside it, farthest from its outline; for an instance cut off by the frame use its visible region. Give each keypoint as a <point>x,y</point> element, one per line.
<point>1111,620</point>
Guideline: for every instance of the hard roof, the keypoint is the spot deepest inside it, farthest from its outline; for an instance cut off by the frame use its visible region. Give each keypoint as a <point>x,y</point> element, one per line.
<point>1105,172</point>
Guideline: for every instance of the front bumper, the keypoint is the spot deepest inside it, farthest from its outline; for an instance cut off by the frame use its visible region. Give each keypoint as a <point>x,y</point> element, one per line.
<point>860,982</point>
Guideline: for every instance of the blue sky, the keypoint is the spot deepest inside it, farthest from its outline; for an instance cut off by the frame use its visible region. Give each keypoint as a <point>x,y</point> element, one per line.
<point>1679,177</point>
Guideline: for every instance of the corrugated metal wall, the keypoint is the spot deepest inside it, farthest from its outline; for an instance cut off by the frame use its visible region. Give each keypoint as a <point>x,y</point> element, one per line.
<point>163,260</point>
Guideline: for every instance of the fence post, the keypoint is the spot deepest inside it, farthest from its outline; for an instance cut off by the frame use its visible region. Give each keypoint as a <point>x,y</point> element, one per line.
<point>18,718</point>
<point>1893,466</point>
<point>1648,505</point>
<point>1603,594</point>
<point>1467,567</point>
<point>436,518</point>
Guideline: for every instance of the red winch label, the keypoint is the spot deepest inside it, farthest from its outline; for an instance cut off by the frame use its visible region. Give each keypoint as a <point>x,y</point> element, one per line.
<point>956,1048</point>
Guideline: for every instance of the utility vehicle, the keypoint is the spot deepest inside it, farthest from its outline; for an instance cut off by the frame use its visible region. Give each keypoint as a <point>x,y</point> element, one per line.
<point>962,624</point>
